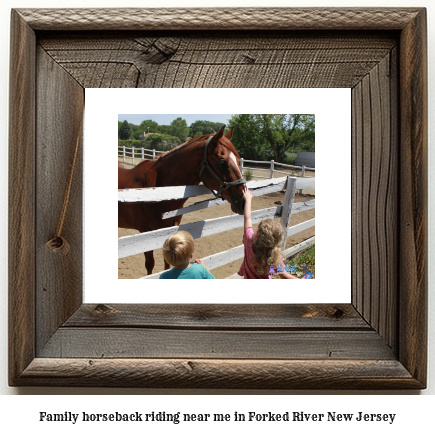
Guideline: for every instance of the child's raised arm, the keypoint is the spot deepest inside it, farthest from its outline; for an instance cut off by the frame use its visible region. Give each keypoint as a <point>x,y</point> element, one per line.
<point>247,211</point>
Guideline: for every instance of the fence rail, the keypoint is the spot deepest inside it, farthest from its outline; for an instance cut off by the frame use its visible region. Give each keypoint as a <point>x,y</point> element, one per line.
<point>141,153</point>
<point>134,244</point>
<point>272,169</point>
<point>159,194</point>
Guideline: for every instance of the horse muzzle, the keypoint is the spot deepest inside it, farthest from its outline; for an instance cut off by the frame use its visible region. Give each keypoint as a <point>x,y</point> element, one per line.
<point>238,205</point>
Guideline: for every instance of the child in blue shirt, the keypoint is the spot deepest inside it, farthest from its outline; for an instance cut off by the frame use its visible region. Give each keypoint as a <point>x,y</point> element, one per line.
<point>178,251</point>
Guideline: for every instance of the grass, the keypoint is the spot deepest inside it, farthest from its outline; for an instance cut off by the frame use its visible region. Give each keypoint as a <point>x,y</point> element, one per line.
<point>248,174</point>
<point>290,159</point>
<point>303,262</point>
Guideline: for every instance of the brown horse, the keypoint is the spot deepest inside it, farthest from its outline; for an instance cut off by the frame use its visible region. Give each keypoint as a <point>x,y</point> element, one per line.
<point>211,159</point>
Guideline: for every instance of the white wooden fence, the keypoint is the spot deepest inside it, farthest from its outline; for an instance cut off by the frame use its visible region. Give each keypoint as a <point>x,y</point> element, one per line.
<point>271,169</point>
<point>141,153</point>
<point>146,241</point>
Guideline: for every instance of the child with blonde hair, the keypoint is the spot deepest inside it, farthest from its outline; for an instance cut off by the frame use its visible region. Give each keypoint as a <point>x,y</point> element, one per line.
<point>178,251</point>
<point>262,249</point>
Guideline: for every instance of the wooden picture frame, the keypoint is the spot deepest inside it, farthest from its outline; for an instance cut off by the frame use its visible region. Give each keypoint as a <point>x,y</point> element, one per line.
<point>376,342</point>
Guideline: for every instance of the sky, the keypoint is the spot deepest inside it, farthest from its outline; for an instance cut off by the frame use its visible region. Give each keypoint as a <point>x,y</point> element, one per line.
<point>166,119</point>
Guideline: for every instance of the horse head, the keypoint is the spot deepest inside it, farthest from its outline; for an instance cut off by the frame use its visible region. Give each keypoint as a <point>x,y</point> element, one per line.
<point>220,170</point>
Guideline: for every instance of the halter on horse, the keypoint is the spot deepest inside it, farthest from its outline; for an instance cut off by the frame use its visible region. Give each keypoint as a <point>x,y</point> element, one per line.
<point>223,185</point>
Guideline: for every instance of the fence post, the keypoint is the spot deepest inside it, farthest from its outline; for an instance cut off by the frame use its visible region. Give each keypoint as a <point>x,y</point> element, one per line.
<point>241,166</point>
<point>132,155</point>
<point>302,175</point>
<point>272,165</point>
<point>154,154</point>
<point>287,206</point>
<point>143,154</point>
<point>123,154</point>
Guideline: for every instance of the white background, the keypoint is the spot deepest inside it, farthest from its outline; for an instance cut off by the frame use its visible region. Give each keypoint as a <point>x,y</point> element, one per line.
<point>333,171</point>
<point>415,411</point>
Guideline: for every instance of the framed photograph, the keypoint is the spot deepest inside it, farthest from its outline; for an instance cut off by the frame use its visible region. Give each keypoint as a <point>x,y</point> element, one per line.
<point>375,341</point>
<point>217,230</point>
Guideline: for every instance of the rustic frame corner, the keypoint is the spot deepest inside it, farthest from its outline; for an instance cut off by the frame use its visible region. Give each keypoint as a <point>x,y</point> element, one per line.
<point>376,342</point>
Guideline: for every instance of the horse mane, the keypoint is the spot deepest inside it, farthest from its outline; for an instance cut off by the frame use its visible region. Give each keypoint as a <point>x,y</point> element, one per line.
<point>204,137</point>
<point>227,143</point>
<point>145,162</point>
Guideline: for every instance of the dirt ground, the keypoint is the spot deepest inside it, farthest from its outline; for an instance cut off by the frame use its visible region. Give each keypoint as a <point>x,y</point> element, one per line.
<point>133,267</point>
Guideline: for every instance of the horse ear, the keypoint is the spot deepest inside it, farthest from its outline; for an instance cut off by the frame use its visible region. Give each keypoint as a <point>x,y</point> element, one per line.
<point>219,134</point>
<point>229,135</point>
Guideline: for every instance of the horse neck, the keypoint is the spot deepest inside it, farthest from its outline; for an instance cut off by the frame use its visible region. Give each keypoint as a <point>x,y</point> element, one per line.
<point>181,167</point>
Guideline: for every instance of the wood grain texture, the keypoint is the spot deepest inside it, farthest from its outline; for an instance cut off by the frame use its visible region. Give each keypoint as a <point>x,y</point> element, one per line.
<point>232,60</point>
<point>393,300</point>
<point>94,342</point>
<point>375,198</point>
<point>220,18</point>
<point>59,280</point>
<point>228,374</point>
<point>21,222</point>
<point>215,317</point>
<point>378,342</point>
<point>413,185</point>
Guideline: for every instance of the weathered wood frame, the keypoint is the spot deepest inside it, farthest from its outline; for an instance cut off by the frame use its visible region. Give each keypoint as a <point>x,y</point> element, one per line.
<point>377,341</point>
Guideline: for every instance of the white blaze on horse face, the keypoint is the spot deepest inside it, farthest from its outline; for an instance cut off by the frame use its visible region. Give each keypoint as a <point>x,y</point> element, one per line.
<point>233,157</point>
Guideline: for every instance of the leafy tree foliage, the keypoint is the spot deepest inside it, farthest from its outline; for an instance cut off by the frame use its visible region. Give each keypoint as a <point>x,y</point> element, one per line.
<point>149,126</point>
<point>199,128</point>
<point>266,136</point>
<point>179,128</point>
<point>256,136</point>
<point>166,129</point>
<point>125,131</point>
<point>247,137</point>
<point>161,142</point>
<point>145,127</point>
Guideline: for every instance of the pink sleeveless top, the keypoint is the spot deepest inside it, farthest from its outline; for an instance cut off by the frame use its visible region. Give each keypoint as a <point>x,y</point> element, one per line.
<point>247,270</point>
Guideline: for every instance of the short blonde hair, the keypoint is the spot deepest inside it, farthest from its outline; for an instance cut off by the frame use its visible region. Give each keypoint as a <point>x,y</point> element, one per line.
<point>178,248</point>
<point>266,245</point>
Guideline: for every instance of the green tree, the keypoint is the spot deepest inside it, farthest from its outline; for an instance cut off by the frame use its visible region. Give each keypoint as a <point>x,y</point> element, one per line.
<point>125,131</point>
<point>161,142</point>
<point>179,128</point>
<point>147,126</point>
<point>266,136</point>
<point>164,129</point>
<point>285,132</point>
<point>247,137</point>
<point>199,128</point>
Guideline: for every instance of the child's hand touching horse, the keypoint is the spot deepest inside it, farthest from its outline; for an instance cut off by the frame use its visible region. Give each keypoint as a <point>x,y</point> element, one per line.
<point>247,195</point>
